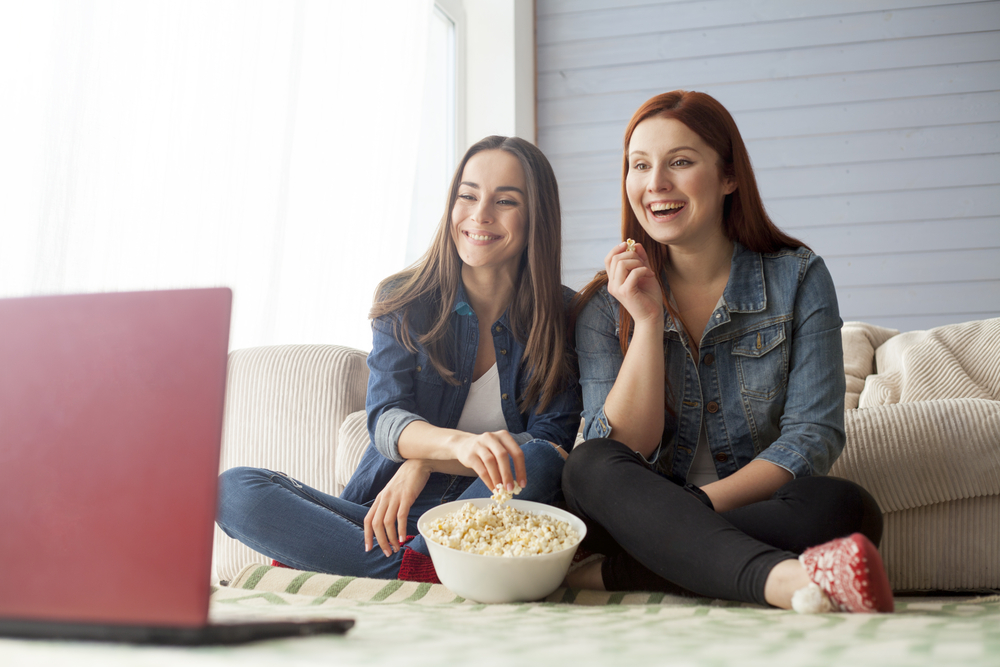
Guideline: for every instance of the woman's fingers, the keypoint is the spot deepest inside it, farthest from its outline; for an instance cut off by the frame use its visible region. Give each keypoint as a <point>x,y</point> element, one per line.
<point>402,514</point>
<point>517,458</point>
<point>375,526</point>
<point>491,456</point>
<point>632,282</point>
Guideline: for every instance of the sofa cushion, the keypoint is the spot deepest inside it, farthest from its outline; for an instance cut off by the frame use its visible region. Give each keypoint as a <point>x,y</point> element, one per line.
<point>353,440</point>
<point>860,341</point>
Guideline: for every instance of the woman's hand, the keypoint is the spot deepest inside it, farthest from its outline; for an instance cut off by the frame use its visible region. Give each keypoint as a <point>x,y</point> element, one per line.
<point>489,455</point>
<point>634,406</point>
<point>386,520</point>
<point>632,282</point>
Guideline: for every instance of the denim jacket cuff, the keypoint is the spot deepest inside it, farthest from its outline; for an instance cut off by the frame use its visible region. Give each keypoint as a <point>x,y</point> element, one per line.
<point>388,429</point>
<point>598,426</point>
<point>522,438</point>
<point>788,459</point>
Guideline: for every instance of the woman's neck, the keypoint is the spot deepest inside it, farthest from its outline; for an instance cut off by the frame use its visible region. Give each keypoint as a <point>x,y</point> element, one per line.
<point>490,291</point>
<point>704,264</point>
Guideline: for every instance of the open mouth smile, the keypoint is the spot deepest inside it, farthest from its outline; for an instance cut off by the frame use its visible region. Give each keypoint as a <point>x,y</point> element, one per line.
<point>663,210</point>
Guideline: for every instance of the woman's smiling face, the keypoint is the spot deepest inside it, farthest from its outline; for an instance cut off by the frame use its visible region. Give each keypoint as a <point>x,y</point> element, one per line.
<point>675,183</point>
<point>489,217</point>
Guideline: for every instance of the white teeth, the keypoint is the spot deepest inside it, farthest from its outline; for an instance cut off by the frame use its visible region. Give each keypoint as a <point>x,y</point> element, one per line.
<point>480,237</point>
<point>665,206</point>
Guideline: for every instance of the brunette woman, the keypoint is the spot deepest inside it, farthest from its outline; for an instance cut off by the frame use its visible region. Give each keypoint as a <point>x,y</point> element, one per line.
<point>713,387</point>
<point>470,386</point>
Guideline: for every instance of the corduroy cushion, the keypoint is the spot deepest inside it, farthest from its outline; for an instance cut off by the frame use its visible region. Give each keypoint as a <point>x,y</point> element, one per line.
<point>352,443</point>
<point>860,341</point>
<point>926,444</point>
<point>934,468</point>
<point>284,408</point>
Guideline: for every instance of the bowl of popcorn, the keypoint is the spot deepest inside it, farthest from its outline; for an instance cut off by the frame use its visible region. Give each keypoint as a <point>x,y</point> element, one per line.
<point>511,551</point>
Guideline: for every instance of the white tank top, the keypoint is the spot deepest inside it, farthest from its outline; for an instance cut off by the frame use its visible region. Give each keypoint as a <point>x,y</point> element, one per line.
<point>483,411</point>
<point>702,469</point>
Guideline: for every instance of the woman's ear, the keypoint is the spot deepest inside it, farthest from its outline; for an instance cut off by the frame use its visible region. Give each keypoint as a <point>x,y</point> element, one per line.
<point>729,184</point>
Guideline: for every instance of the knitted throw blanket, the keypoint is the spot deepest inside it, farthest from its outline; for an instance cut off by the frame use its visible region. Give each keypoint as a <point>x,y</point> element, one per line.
<point>954,361</point>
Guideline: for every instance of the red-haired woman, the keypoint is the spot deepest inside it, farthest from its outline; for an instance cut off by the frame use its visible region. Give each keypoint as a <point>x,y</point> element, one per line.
<point>713,386</point>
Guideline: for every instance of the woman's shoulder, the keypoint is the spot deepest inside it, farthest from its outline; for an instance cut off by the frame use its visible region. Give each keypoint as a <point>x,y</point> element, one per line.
<point>796,262</point>
<point>600,307</point>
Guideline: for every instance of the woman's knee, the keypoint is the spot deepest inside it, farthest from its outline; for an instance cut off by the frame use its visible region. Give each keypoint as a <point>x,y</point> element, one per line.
<point>847,504</point>
<point>235,490</point>
<point>589,462</point>
<point>543,464</point>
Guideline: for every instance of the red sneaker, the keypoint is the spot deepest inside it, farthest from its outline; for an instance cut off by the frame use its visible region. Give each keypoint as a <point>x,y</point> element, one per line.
<point>850,572</point>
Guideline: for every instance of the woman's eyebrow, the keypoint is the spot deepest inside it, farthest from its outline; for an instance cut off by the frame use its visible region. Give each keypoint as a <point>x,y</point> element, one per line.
<point>502,188</point>
<point>672,150</point>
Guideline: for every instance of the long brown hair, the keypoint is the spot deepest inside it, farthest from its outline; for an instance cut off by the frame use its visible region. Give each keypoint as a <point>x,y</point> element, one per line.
<point>743,216</point>
<point>536,312</point>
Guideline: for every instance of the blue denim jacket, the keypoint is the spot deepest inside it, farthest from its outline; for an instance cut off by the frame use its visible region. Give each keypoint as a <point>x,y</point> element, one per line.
<point>769,380</point>
<point>403,387</point>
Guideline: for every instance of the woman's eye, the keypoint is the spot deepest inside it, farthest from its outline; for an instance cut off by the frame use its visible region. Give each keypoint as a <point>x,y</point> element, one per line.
<point>507,202</point>
<point>640,166</point>
<point>680,163</point>
<point>466,196</point>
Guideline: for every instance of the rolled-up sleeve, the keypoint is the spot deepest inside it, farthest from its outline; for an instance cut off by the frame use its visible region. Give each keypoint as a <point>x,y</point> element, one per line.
<point>812,425</point>
<point>558,422</point>
<point>390,401</point>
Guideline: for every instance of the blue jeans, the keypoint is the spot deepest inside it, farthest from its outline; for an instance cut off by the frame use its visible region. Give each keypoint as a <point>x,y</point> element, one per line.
<point>310,530</point>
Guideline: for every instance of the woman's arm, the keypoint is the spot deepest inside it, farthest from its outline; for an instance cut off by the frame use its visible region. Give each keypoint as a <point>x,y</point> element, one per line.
<point>754,482</point>
<point>487,455</point>
<point>400,433</point>
<point>390,400</point>
<point>624,397</point>
<point>812,423</point>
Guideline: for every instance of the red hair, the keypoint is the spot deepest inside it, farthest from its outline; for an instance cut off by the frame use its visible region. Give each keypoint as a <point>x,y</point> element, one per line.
<point>743,216</point>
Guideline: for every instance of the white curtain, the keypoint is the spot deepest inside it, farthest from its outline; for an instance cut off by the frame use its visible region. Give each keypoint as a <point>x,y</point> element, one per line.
<point>269,146</point>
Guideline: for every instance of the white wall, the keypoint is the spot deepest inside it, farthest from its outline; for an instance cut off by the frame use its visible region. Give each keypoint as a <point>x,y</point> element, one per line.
<point>874,127</point>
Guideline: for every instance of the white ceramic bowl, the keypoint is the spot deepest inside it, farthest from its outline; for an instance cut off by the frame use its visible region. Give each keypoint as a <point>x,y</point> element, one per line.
<point>500,578</point>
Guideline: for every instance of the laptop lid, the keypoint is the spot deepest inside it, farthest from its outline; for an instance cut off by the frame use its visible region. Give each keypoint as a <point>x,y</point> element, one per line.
<point>111,411</point>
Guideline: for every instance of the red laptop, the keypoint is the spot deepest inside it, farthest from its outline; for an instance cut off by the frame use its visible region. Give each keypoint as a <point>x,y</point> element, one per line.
<point>111,412</point>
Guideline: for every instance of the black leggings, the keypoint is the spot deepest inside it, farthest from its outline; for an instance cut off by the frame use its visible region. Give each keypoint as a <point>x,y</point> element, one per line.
<point>657,536</point>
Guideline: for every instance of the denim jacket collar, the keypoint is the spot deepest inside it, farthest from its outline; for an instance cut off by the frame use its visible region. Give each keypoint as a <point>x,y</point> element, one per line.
<point>462,307</point>
<point>745,292</point>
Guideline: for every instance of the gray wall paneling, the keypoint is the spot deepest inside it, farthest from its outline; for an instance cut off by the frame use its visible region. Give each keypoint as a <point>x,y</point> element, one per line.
<point>874,128</point>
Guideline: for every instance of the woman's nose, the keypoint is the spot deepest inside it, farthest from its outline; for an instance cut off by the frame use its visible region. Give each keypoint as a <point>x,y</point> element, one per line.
<point>483,213</point>
<point>660,180</point>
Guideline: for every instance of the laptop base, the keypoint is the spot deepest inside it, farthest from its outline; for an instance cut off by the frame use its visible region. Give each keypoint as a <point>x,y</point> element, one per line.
<point>215,634</point>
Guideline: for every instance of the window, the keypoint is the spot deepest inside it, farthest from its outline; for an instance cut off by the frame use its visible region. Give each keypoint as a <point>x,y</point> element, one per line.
<point>269,146</point>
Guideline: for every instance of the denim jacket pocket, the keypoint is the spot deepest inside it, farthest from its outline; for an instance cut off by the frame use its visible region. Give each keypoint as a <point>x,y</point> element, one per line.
<point>762,361</point>
<point>425,372</point>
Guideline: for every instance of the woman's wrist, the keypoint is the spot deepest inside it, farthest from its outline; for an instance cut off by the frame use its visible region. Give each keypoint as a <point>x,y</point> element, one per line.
<point>652,324</point>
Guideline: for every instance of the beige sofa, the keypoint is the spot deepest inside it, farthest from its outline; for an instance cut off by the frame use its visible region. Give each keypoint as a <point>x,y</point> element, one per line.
<point>923,430</point>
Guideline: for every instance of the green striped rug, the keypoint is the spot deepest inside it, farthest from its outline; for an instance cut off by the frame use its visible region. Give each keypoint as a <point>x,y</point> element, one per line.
<point>284,580</point>
<point>421,624</point>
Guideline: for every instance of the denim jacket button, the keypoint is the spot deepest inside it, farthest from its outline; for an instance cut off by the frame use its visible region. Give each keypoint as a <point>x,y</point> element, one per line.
<point>503,351</point>
<point>498,329</point>
<point>709,358</point>
<point>418,369</point>
<point>504,397</point>
<point>713,407</point>
<point>721,457</point>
